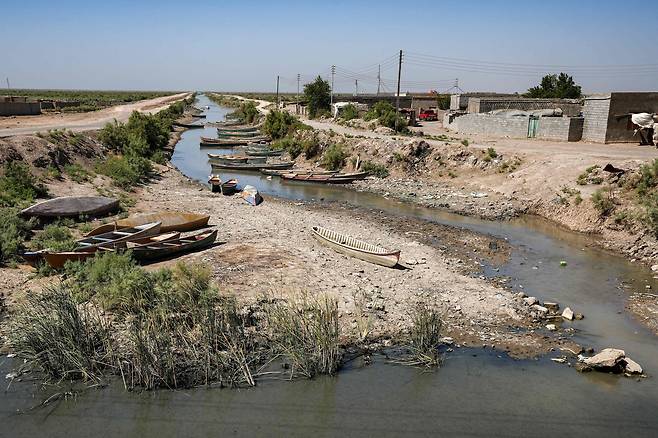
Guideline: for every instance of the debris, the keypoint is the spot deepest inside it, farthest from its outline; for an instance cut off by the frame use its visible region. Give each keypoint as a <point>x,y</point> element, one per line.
<point>579,316</point>
<point>551,327</point>
<point>540,309</point>
<point>567,314</point>
<point>654,268</point>
<point>559,359</point>
<point>563,263</point>
<point>551,306</point>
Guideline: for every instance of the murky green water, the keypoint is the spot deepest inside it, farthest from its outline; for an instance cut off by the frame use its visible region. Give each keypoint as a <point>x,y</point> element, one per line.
<point>476,393</point>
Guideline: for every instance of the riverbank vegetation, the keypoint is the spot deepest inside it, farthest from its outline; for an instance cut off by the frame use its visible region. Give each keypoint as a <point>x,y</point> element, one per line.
<point>318,98</point>
<point>88,100</point>
<point>385,114</point>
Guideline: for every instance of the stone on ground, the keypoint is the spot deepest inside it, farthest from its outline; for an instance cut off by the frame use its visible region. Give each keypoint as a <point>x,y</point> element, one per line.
<point>607,358</point>
<point>631,366</point>
<point>567,314</point>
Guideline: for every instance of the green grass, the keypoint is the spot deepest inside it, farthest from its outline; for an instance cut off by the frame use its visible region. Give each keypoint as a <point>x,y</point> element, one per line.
<point>13,232</point>
<point>604,201</point>
<point>89,100</point>
<point>77,173</point>
<point>18,186</point>
<point>126,171</point>
<point>375,169</point>
<point>55,237</point>
<point>334,157</point>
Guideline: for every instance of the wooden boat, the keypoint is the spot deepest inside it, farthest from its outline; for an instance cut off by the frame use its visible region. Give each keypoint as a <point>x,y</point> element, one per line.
<point>336,178</point>
<point>160,250</point>
<point>72,206</point>
<point>215,183</point>
<point>112,238</point>
<point>199,116</point>
<point>272,172</point>
<point>251,195</point>
<point>228,187</point>
<point>238,134</point>
<point>255,166</point>
<point>230,129</point>
<point>57,260</point>
<point>263,153</point>
<point>188,125</point>
<point>235,159</point>
<point>215,142</point>
<point>356,248</point>
<point>169,220</point>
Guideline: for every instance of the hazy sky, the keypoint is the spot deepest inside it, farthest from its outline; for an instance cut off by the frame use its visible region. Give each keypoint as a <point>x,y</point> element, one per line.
<point>243,45</point>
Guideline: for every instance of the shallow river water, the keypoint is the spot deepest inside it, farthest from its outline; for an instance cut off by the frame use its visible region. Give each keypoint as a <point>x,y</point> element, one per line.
<point>476,393</point>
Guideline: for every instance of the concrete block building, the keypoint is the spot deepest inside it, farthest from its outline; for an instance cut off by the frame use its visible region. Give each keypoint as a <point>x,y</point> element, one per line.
<point>606,116</point>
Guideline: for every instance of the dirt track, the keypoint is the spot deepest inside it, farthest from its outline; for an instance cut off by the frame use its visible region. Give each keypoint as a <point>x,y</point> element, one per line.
<point>82,121</point>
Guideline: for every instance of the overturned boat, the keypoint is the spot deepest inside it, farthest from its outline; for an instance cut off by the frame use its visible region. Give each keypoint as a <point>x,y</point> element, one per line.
<point>72,206</point>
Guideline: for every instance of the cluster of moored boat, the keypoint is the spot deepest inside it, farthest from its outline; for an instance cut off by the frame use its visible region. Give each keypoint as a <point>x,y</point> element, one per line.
<point>149,237</point>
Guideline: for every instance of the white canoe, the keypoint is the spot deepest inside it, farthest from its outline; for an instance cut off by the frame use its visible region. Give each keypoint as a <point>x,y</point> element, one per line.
<point>356,248</point>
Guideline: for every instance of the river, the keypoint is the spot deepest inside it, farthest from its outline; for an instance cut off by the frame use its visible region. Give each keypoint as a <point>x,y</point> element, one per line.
<point>477,392</point>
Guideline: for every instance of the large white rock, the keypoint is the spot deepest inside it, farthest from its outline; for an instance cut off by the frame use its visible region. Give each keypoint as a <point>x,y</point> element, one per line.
<point>631,366</point>
<point>607,358</point>
<point>567,314</point>
<point>530,300</point>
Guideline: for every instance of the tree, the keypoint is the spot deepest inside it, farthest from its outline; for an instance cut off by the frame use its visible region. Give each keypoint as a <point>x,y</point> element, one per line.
<point>556,86</point>
<point>318,96</point>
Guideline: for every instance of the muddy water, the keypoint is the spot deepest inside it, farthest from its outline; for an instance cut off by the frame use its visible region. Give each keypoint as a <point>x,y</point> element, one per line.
<point>476,393</point>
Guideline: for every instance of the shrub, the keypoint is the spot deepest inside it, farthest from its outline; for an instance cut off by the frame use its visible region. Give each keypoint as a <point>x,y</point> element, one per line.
<point>465,142</point>
<point>127,171</point>
<point>311,148</point>
<point>55,237</point>
<point>13,232</point>
<point>318,96</point>
<point>279,124</point>
<point>349,112</point>
<point>378,170</point>
<point>424,339</point>
<point>17,185</point>
<point>604,201</point>
<point>246,112</point>
<point>586,177</point>
<point>77,173</point>
<point>334,157</point>
<point>290,145</point>
<point>443,101</point>
<point>379,109</point>
<point>648,178</point>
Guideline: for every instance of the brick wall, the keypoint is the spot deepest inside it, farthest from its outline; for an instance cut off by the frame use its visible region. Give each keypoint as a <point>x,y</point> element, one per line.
<point>569,107</point>
<point>595,113</point>
<point>560,128</point>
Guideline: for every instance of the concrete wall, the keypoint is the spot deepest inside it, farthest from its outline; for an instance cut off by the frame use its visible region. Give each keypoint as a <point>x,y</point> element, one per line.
<point>560,128</point>
<point>595,112</point>
<point>569,107</point>
<point>620,130</point>
<point>370,99</point>
<point>550,128</point>
<point>460,101</point>
<point>424,102</point>
<point>19,108</point>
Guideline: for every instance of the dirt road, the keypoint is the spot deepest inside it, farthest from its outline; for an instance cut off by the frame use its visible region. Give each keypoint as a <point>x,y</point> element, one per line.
<point>83,121</point>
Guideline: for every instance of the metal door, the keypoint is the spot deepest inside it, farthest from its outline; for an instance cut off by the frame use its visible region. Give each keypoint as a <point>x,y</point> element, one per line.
<point>533,125</point>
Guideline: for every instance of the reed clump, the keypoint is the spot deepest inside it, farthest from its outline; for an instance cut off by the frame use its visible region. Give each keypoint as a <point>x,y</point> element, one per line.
<point>304,330</point>
<point>423,339</point>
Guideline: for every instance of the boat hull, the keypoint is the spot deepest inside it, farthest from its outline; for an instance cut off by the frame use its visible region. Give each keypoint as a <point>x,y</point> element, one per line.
<point>169,221</point>
<point>72,206</point>
<point>356,248</point>
<point>161,250</point>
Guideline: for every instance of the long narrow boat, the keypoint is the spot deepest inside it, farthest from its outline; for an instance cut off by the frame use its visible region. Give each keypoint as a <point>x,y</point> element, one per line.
<point>263,153</point>
<point>235,159</point>
<point>297,171</point>
<point>188,125</point>
<point>277,165</point>
<point>160,250</point>
<point>170,221</point>
<point>232,134</point>
<point>112,238</point>
<point>216,142</point>
<point>199,116</point>
<point>356,248</point>
<point>229,130</point>
<point>57,260</point>
<point>71,206</point>
<point>337,178</point>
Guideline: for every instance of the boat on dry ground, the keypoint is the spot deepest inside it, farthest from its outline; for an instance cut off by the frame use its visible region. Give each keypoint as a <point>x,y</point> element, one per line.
<point>169,220</point>
<point>356,248</point>
<point>297,171</point>
<point>160,250</point>
<point>251,195</point>
<point>223,187</point>
<point>72,206</point>
<point>57,260</point>
<point>336,178</point>
<point>112,238</point>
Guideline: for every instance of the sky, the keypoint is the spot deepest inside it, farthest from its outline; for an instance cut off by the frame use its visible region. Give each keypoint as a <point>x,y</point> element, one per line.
<point>495,45</point>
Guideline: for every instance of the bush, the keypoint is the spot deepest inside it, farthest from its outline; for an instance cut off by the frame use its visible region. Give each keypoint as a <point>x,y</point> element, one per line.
<point>318,96</point>
<point>334,157</point>
<point>378,109</point>
<point>648,178</point>
<point>490,154</point>
<point>443,101</point>
<point>290,145</point>
<point>18,187</point>
<point>311,148</point>
<point>55,237</point>
<point>77,173</point>
<point>13,232</point>
<point>246,112</point>
<point>604,201</point>
<point>349,112</point>
<point>127,171</point>
<point>378,170</point>
<point>279,124</point>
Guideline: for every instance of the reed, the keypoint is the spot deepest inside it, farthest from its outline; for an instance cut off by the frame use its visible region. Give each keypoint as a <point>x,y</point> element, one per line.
<point>305,332</point>
<point>423,339</point>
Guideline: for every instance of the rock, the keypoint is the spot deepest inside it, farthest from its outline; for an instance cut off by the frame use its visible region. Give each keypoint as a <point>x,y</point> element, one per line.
<point>607,358</point>
<point>567,314</point>
<point>654,268</point>
<point>631,367</point>
<point>551,327</point>
<point>551,306</point>
<point>531,300</point>
<point>559,359</point>
<point>582,368</point>
<point>540,309</point>
<point>579,316</point>
<point>520,295</point>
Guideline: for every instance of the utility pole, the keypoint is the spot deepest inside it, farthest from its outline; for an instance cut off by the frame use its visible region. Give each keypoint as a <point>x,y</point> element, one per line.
<point>8,87</point>
<point>356,87</point>
<point>333,73</point>
<point>379,78</point>
<point>298,78</point>
<point>397,97</point>
<point>277,91</point>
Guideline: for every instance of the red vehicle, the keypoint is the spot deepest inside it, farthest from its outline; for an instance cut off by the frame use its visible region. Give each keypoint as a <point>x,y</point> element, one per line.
<point>428,115</point>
